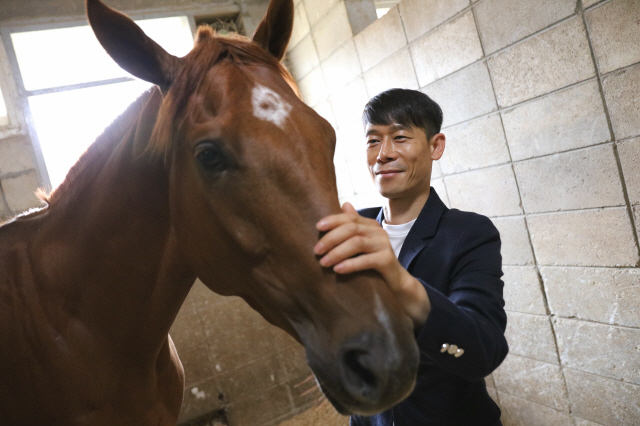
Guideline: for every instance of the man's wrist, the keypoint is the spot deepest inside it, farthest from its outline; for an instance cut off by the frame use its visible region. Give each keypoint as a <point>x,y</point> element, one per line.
<point>413,297</point>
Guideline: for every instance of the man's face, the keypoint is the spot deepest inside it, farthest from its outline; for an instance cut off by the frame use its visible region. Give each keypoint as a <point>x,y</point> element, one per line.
<point>400,159</point>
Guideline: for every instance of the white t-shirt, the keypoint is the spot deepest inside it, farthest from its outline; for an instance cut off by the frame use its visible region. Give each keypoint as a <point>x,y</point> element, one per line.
<point>397,234</point>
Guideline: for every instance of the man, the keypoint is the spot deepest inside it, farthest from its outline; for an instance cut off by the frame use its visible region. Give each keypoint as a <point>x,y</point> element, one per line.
<point>443,265</point>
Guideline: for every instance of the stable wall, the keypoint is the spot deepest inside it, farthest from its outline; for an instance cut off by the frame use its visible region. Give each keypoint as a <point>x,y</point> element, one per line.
<point>542,117</point>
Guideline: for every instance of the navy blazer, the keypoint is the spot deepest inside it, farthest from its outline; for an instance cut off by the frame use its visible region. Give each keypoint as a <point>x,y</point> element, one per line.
<point>456,256</point>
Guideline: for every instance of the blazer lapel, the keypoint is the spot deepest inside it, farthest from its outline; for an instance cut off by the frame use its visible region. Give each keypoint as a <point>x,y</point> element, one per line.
<point>422,230</point>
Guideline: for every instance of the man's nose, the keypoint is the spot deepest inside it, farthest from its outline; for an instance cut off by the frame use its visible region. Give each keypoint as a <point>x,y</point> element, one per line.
<point>387,152</point>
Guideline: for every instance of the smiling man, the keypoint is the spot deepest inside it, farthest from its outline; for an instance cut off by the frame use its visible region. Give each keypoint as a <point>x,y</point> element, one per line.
<point>443,265</point>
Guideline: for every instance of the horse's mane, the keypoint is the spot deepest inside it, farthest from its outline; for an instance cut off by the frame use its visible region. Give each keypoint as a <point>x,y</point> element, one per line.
<point>104,144</point>
<point>209,49</point>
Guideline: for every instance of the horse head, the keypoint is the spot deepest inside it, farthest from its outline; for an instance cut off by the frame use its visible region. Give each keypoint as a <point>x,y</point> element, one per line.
<point>250,172</point>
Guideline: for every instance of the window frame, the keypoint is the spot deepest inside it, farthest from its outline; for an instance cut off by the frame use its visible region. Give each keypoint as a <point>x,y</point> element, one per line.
<point>17,97</point>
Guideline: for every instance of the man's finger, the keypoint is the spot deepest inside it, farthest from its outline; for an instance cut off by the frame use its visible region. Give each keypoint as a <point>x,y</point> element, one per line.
<point>336,236</point>
<point>356,245</point>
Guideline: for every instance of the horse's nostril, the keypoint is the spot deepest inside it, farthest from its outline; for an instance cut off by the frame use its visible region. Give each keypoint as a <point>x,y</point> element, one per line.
<point>358,369</point>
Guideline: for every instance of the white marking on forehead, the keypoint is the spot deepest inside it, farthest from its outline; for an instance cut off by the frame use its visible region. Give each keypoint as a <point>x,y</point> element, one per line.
<point>269,106</point>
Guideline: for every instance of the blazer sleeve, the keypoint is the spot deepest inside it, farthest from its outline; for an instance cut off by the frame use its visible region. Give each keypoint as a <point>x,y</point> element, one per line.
<point>472,315</point>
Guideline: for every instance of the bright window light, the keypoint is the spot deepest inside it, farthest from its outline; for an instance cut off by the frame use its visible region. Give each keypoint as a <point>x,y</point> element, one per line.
<point>382,11</point>
<point>68,121</point>
<point>4,118</point>
<point>66,56</point>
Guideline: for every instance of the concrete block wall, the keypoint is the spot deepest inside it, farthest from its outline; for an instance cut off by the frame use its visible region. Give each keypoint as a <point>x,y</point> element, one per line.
<point>542,118</point>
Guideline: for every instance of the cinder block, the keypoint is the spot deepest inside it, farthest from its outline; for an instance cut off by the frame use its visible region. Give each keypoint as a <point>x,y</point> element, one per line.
<point>614,29</point>
<point>200,399</point>
<point>196,364</point>
<point>521,412</point>
<point>300,25</point>
<point>549,61</point>
<point>474,144</point>
<point>371,199</point>
<point>583,422</point>
<point>438,186</point>
<point>420,17</point>
<point>348,104</point>
<point>606,295</point>
<point>589,3</point>
<point>493,394</point>
<point>531,336</point>
<point>5,214</point>
<point>313,88</point>
<point>522,290</point>
<point>350,143</point>
<point>236,335</point>
<point>316,10</point>
<point>620,90</point>
<point>605,350</point>
<point>463,95</point>
<point>303,58</point>
<point>253,379</point>
<point>516,248</point>
<point>16,155</point>
<point>325,111</point>
<point>381,39</point>
<point>396,71</point>
<point>489,381</point>
<point>491,192</point>
<point>436,170</point>
<point>580,238</point>
<point>503,22</point>
<point>564,120</point>
<point>603,400</point>
<point>187,331</point>
<point>20,192</point>
<point>636,212</point>
<point>581,179</point>
<point>360,177</point>
<point>534,380</point>
<point>629,152</point>
<point>261,410</point>
<point>332,31</point>
<point>447,49</point>
<point>342,67</point>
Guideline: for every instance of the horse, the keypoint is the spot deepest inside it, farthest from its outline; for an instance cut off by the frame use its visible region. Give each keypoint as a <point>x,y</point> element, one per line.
<point>220,172</point>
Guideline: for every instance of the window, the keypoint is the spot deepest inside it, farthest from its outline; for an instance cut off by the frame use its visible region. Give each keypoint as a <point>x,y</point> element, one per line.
<point>75,90</point>
<point>383,6</point>
<point>4,115</point>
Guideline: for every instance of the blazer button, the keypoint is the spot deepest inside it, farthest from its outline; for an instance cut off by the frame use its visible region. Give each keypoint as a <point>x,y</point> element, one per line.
<point>452,349</point>
<point>444,347</point>
<point>459,353</point>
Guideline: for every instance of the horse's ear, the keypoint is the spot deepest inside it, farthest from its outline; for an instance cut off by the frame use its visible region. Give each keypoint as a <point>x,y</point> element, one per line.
<point>274,31</point>
<point>129,46</point>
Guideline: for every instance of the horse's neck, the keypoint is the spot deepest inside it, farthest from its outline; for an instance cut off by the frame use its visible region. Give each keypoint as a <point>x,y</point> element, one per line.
<point>110,252</point>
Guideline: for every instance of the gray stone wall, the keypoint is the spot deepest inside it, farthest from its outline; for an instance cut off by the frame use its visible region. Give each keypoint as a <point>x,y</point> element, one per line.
<point>542,117</point>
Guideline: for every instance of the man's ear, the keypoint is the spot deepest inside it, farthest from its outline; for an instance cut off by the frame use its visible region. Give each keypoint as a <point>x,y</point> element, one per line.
<point>437,144</point>
<point>274,31</point>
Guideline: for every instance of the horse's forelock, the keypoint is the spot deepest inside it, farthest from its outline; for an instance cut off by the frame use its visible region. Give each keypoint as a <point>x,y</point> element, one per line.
<point>209,49</point>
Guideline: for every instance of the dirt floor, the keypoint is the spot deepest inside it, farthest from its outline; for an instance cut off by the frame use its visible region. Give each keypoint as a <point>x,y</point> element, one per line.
<point>322,415</point>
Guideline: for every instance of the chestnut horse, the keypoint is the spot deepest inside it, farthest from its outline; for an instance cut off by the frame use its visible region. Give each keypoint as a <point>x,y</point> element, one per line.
<point>219,173</point>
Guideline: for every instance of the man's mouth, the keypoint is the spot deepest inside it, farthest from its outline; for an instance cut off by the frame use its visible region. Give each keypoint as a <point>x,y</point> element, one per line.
<point>388,172</point>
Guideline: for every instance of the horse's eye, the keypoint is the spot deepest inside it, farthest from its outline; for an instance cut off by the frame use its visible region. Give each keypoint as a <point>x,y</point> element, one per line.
<point>212,157</point>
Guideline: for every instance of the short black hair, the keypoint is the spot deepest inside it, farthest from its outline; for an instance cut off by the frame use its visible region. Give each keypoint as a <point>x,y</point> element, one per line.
<point>405,107</point>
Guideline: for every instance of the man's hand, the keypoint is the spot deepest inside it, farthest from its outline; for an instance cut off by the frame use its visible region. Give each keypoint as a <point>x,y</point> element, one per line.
<point>354,243</point>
